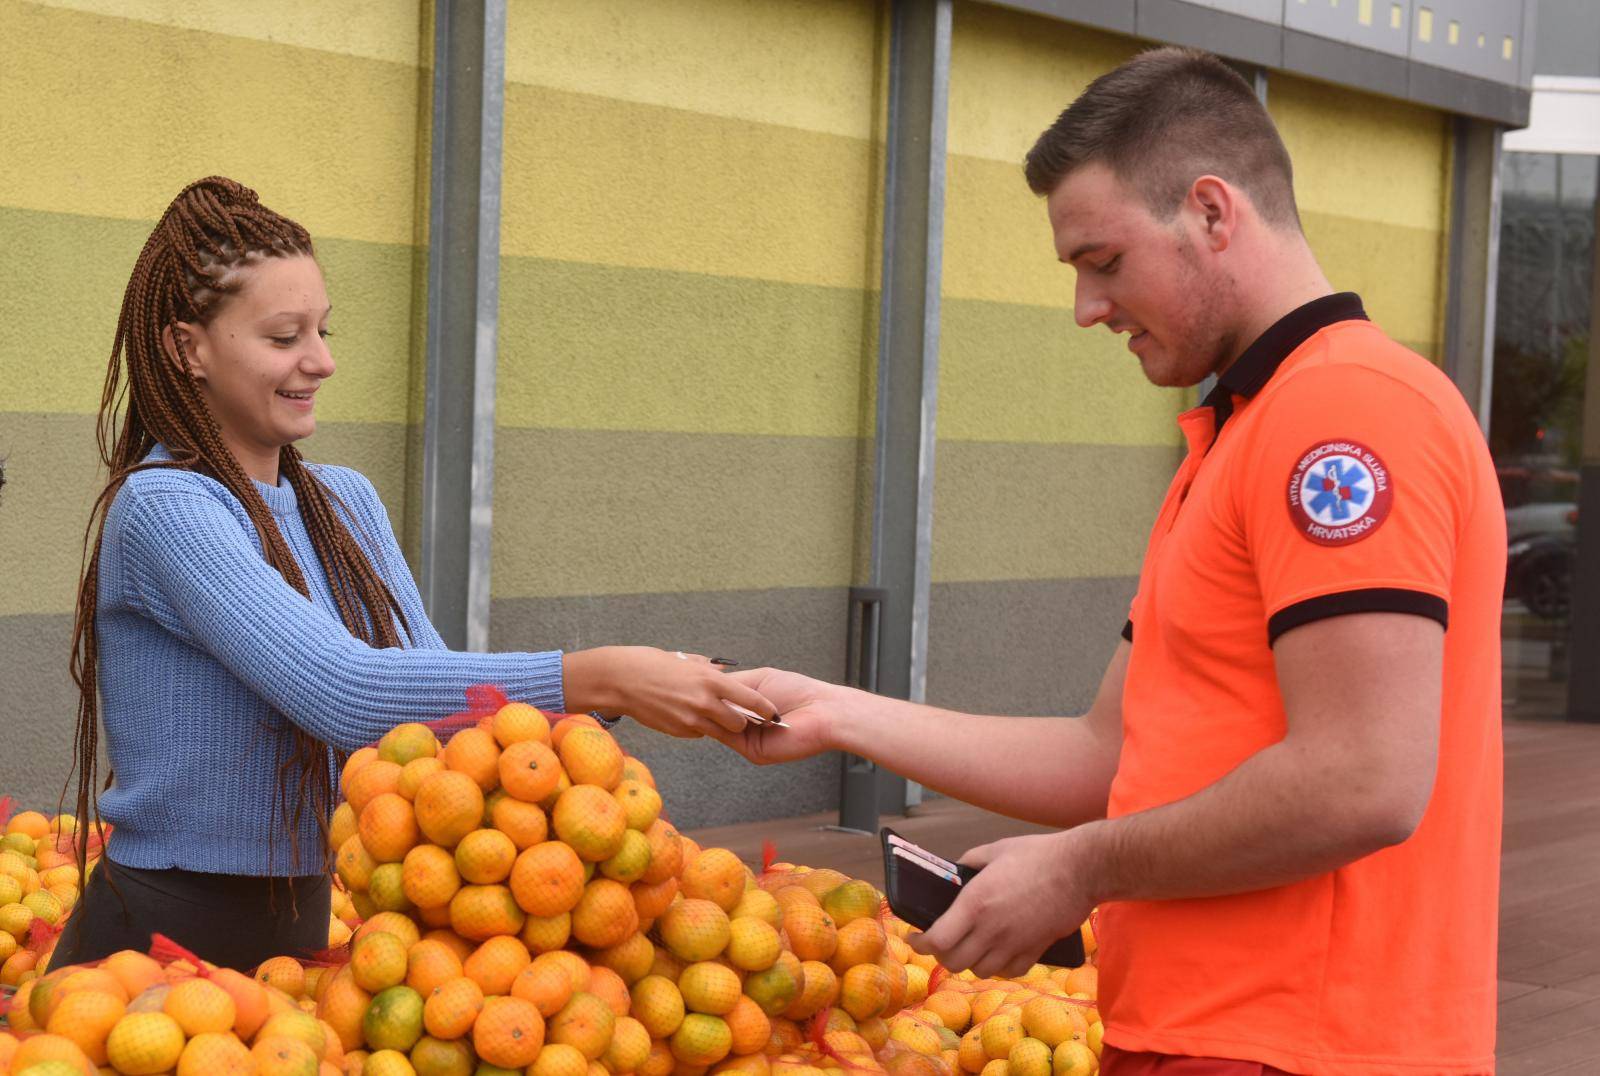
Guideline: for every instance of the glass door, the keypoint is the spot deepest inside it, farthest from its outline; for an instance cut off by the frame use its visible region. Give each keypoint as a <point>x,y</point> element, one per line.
<point>1541,350</point>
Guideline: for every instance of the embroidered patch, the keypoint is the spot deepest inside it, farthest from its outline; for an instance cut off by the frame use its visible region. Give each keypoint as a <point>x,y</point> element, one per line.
<point>1339,492</point>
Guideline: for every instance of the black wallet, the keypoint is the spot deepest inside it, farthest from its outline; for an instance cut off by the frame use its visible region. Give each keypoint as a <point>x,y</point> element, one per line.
<point>921,887</point>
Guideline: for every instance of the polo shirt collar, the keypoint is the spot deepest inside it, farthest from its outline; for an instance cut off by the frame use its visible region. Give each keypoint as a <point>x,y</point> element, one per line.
<point>1253,369</point>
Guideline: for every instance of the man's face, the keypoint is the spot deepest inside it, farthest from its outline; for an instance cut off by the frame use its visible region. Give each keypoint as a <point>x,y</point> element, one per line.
<point>1156,280</point>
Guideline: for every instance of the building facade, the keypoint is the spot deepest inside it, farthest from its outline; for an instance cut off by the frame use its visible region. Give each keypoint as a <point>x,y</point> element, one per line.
<point>695,201</point>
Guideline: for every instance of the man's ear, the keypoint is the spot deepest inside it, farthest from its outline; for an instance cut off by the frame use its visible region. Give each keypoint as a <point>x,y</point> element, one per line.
<point>193,347</point>
<point>1216,203</point>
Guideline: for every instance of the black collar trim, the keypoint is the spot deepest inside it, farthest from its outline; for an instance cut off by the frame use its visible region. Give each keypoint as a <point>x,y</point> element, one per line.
<point>1253,369</point>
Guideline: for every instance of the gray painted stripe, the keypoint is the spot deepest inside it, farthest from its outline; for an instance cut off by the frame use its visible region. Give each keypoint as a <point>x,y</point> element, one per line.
<point>1010,511</point>
<point>41,706</point>
<point>1024,646</point>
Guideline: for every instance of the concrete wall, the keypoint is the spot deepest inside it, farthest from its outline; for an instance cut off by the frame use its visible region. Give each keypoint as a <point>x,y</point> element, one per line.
<point>690,263</point>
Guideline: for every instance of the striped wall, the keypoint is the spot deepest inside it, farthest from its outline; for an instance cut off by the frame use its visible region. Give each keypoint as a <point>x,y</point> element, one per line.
<point>687,343</point>
<point>111,107</point>
<point>1053,449</point>
<point>1372,177</point>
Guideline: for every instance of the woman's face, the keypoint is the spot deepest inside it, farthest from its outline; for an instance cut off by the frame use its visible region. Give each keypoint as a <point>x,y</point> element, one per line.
<point>261,359</point>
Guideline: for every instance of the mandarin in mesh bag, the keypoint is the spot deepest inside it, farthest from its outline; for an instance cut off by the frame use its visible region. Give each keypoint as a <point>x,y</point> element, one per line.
<point>559,1059</point>
<point>605,914</point>
<point>481,912</point>
<point>694,930</point>
<point>630,1046</point>
<point>591,757</point>
<point>140,1045</point>
<point>452,1007</point>
<point>525,823</point>
<point>546,985</point>
<point>429,963</point>
<point>591,821</point>
<point>640,802</point>
<point>584,1022</point>
<point>448,806</point>
<point>475,753</point>
<point>508,1032</point>
<point>432,1056</point>
<point>517,722</point>
<point>496,963</point>
<point>631,959</point>
<point>485,856</point>
<point>545,934</point>
<point>547,879</point>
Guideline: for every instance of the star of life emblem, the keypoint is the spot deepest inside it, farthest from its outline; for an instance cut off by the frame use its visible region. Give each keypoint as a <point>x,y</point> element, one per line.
<point>1339,492</point>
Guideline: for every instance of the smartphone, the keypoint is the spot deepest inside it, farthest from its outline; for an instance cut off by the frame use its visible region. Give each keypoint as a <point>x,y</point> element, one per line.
<point>921,886</point>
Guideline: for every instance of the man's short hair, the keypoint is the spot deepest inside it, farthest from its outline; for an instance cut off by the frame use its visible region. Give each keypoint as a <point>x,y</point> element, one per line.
<point>1162,120</point>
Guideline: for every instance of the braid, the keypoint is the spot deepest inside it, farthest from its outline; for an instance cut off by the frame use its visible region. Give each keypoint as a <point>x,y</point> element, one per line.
<point>191,263</point>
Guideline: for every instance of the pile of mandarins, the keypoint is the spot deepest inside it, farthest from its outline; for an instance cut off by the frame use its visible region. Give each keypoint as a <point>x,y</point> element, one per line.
<point>518,904</point>
<point>38,889</point>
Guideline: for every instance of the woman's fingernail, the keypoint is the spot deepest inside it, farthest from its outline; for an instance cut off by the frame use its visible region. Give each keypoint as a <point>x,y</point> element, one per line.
<point>723,661</point>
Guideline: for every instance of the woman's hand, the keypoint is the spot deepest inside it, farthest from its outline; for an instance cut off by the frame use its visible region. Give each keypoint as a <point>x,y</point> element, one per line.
<point>682,695</point>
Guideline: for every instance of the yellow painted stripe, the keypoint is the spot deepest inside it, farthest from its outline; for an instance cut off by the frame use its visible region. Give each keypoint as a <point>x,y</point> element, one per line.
<point>1395,269</point>
<point>809,64</point>
<point>614,512</point>
<point>1007,511</point>
<point>1030,374</point>
<point>997,240</point>
<point>998,247</point>
<point>597,180</point>
<point>598,347</point>
<point>56,258</point>
<point>1012,73</point>
<point>111,117</point>
<point>392,30</point>
<point>1357,155</point>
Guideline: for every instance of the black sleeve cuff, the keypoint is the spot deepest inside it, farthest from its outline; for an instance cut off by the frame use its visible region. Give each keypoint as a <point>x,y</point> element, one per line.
<point>1371,600</point>
<point>1127,631</point>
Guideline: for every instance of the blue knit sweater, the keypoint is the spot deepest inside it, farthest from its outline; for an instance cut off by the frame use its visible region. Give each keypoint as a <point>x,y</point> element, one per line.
<point>207,656</point>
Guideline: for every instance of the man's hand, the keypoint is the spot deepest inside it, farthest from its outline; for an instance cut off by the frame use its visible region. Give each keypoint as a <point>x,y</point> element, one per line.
<point>807,707</point>
<point>1031,892</point>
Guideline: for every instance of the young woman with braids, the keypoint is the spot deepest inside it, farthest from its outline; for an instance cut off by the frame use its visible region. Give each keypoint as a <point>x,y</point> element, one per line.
<point>247,617</point>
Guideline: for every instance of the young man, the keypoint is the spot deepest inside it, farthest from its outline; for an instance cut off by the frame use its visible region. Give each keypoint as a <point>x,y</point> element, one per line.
<point>1286,797</point>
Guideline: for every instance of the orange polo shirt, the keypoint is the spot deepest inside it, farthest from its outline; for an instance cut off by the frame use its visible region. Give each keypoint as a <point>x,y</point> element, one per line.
<point>1348,475</point>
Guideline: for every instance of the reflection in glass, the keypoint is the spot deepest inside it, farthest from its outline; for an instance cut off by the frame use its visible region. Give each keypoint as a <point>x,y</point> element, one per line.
<point>1542,320</point>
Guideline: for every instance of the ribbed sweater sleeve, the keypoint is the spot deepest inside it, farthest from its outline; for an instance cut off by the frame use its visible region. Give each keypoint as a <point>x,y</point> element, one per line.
<point>190,566</point>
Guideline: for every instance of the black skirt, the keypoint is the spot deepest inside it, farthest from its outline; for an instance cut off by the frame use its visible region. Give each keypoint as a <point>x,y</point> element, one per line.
<point>235,921</point>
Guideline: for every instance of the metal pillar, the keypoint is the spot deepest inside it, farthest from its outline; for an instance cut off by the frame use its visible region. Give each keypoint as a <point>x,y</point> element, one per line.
<point>908,376</point>
<point>1474,262</point>
<point>463,310</point>
<point>1583,687</point>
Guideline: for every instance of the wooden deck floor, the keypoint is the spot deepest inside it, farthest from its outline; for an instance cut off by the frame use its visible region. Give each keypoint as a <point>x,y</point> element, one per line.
<point>1550,886</point>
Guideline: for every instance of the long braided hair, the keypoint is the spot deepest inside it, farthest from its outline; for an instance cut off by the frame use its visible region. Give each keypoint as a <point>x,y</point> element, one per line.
<point>197,256</point>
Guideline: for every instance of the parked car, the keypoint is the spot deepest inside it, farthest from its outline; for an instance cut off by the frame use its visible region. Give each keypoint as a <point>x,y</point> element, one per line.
<point>1541,552</point>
